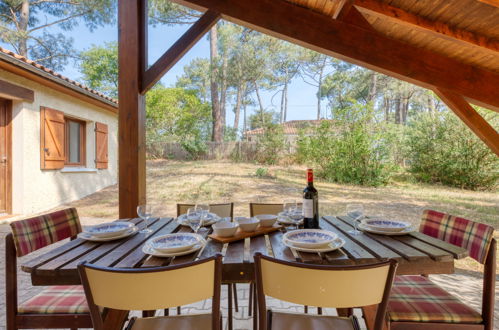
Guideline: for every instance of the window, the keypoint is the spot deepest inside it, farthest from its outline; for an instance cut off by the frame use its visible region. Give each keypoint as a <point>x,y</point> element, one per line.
<point>74,142</point>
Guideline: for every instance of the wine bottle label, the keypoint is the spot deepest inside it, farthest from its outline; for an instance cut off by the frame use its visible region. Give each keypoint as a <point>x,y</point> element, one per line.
<point>308,208</point>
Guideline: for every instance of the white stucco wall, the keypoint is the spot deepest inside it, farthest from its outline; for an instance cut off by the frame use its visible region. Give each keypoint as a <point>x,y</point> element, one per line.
<point>36,190</point>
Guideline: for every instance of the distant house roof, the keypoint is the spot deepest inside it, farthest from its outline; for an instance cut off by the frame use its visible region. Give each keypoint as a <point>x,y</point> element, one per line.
<point>20,65</point>
<point>291,127</point>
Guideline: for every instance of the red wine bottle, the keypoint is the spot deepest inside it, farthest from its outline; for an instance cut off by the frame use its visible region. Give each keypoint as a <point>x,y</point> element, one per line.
<point>310,203</point>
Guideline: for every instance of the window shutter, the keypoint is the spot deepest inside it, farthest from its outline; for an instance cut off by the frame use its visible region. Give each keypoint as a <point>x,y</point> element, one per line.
<point>101,142</point>
<point>52,144</point>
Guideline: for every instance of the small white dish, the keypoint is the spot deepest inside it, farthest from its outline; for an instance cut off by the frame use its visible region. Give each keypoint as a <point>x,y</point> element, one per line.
<point>148,249</point>
<point>310,238</point>
<point>225,228</point>
<point>266,220</point>
<point>210,219</point>
<point>406,231</point>
<point>109,229</point>
<point>247,224</point>
<point>380,224</point>
<point>177,242</point>
<point>334,245</point>
<point>88,237</point>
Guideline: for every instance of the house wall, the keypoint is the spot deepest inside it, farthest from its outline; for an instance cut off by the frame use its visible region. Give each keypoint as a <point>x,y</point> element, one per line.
<point>36,190</point>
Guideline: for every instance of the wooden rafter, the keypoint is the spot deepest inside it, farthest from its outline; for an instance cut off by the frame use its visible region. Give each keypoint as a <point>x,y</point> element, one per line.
<point>494,3</point>
<point>360,46</point>
<point>179,48</point>
<point>343,8</point>
<point>471,118</point>
<point>440,29</point>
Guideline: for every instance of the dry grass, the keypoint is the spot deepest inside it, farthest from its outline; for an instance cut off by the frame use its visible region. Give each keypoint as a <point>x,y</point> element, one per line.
<point>171,182</point>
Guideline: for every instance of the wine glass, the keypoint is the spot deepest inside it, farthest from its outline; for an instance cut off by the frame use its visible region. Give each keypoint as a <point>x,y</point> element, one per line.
<point>145,212</point>
<point>296,215</point>
<point>203,210</point>
<point>194,219</point>
<point>288,206</point>
<point>356,212</point>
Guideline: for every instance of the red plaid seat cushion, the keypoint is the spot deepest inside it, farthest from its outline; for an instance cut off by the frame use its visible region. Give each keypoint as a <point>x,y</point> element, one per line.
<point>417,299</point>
<point>37,232</point>
<point>473,236</point>
<point>59,299</point>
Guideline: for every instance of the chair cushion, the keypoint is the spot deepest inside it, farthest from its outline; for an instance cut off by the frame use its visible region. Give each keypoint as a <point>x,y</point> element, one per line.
<point>417,299</point>
<point>289,321</point>
<point>60,299</point>
<point>177,322</point>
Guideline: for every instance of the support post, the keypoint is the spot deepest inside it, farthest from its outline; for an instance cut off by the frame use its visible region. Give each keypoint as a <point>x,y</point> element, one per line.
<point>132,49</point>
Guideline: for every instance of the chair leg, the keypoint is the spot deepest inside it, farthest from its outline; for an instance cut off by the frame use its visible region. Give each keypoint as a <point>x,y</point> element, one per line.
<point>319,310</point>
<point>305,309</point>
<point>236,305</point>
<point>250,305</point>
<point>255,309</point>
<point>179,310</point>
<point>167,311</point>
<point>229,314</point>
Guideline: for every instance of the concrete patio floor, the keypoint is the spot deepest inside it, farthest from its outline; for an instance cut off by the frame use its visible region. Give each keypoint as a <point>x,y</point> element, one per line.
<point>466,285</point>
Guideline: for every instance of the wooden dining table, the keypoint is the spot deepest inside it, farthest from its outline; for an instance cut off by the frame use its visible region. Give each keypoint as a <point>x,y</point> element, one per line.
<point>416,253</point>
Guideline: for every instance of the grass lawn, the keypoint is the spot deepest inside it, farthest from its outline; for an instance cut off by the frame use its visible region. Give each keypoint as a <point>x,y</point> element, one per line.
<point>171,182</point>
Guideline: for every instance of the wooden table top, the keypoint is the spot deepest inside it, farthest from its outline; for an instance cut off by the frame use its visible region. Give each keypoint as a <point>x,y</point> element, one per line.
<point>416,253</point>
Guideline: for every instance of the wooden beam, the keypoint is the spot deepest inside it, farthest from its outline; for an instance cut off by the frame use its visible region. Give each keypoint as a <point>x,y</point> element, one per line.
<point>439,29</point>
<point>132,50</point>
<point>494,3</point>
<point>343,8</point>
<point>179,48</point>
<point>15,92</point>
<point>359,46</point>
<point>471,118</point>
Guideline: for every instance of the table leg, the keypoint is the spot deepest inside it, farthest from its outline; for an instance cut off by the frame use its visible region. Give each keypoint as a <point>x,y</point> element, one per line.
<point>369,314</point>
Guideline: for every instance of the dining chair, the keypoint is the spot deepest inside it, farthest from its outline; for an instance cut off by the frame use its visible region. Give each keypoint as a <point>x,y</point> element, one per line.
<point>152,289</point>
<point>321,285</point>
<point>58,306</point>
<point>223,210</point>
<point>265,208</point>
<point>418,303</point>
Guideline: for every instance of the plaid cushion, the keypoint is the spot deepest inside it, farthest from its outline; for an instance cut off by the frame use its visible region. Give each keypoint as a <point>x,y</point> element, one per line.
<point>61,299</point>
<point>37,232</point>
<point>417,299</point>
<point>473,236</point>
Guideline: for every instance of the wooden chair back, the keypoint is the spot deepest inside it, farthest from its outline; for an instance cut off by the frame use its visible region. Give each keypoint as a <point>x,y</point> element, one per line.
<point>265,208</point>
<point>325,286</point>
<point>223,210</point>
<point>152,288</point>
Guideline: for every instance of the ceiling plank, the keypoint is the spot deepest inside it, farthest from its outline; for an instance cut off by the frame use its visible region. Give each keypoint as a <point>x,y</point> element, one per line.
<point>360,46</point>
<point>178,49</point>
<point>343,9</point>
<point>471,118</point>
<point>440,29</point>
<point>494,3</point>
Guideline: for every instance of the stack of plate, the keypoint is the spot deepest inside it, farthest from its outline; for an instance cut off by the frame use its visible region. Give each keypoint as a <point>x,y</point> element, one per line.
<point>385,227</point>
<point>172,245</point>
<point>312,240</point>
<point>108,231</point>
<point>211,218</point>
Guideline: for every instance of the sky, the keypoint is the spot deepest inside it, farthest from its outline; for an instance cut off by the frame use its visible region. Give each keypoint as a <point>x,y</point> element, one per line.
<point>302,102</point>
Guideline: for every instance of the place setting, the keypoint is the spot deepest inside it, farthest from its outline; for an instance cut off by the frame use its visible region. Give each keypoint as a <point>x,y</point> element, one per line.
<point>292,214</point>
<point>109,231</point>
<point>174,245</point>
<point>376,225</point>
<point>312,240</point>
<point>199,214</point>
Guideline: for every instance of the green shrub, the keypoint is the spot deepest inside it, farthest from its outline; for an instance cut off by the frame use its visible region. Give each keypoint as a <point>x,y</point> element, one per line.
<point>441,149</point>
<point>262,172</point>
<point>271,145</point>
<point>195,147</point>
<point>351,148</point>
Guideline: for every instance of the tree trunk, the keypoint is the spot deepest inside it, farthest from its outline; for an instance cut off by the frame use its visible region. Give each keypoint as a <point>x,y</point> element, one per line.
<point>215,102</point>
<point>397,110</point>
<point>23,27</point>
<point>405,109</point>
<point>257,91</point>
<point>386,103</point>
<point>284,102</point>
<point>319,88</point>
<point>237,109</point>
<point>244,119</point>
<point>223,91</point>
<point>373,87</point>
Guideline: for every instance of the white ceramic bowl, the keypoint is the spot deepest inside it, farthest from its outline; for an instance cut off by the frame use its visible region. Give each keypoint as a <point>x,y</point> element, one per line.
<point>109,229</point>
<point>171,243</point>
<point>247,224</point>
<point>310,238</point>
<point>380,224</point>
<point>225,228</point>
<point>266,220</point>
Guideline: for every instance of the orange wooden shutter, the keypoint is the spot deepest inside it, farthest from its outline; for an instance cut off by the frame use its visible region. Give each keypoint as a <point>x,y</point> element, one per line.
<point>101,134</point>
<point>52,142</point>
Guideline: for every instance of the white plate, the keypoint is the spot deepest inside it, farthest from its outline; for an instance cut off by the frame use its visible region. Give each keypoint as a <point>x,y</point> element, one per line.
<point>89,237</point>
<point>389,233</point>
<point>335,245</point>
<point>176,242</point>
<point>148,249</point>
<point>381,224</point>
<point>287,221</point>
<point>310,238</point>
<point>212,218</point>
<point>109,229</point>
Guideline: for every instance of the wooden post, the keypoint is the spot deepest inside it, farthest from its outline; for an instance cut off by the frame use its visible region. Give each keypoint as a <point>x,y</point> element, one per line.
<point>132,24</point>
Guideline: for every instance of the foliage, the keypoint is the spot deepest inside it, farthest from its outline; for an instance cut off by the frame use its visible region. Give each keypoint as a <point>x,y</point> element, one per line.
<point>350,149</point>
<point>99,66</point>
<point>259,119</point>
<point>443,150</point>
<point>177,115</point>
<point>271,145</point>
<point>262,172</point>
<point>28,26</point>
